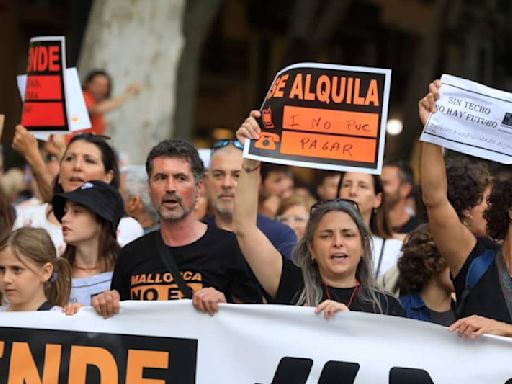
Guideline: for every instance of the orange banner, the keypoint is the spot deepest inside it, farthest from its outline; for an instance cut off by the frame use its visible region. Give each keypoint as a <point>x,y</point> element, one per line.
<point>328,146</point>
<point>331,121</point>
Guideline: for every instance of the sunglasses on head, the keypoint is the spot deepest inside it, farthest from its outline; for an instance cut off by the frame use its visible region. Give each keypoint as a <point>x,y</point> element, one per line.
<point>224,143</point>
<point>350,202</point>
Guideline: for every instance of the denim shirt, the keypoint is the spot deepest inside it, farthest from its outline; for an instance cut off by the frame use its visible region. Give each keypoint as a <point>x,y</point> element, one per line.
<point>415,307</point>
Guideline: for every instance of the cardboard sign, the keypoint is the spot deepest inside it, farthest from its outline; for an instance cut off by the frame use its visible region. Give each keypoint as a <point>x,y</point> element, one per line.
<point>324,116</point>
<point>472,118</point>
<point>76,110</point>
<point>44,108</point>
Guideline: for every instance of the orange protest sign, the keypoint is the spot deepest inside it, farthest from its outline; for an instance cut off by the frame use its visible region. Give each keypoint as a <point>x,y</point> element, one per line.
<point>328,146</point>
<point>331,121</point>
<point>44,107</point>
<point>324,116</point>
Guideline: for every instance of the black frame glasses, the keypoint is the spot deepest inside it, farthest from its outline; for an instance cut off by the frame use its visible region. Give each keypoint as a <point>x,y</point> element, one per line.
<point>224,143</point>
<point>351,202</point>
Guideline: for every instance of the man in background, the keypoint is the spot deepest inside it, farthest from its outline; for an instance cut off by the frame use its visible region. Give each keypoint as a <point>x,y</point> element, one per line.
<point>221,181</point>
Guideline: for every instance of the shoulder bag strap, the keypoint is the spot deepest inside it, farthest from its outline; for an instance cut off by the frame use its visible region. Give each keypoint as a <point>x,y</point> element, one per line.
<point>381,255</point>
<point>169,262</point>
<point>476,270</point>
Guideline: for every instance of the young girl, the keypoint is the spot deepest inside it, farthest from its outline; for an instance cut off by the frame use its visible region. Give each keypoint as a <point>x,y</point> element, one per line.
<point>32,277</point>
<point>89,216</point>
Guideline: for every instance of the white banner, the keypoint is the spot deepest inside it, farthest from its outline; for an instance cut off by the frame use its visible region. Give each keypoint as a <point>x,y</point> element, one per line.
<point>473,119</point>
<point>169,342</point>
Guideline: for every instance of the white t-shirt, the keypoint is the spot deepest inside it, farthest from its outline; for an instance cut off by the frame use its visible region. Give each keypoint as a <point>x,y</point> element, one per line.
<point>83,289</point>
<point>35,216</point>
<point>392,252</point>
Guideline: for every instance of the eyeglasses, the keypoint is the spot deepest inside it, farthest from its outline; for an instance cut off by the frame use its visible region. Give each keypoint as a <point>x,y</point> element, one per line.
<point>350,202</point>
<point>224,143</point>
<point>292,219</point>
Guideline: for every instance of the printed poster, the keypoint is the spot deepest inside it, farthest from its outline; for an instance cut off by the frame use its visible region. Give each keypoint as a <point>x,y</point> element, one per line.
<point>77,111</point>
<point>324,116</point>
<point>44,107</point>
<point>473,119</point>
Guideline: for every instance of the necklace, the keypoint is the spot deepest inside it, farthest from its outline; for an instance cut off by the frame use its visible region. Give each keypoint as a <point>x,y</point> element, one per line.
<point>352,295</point>
<point>95,268</point>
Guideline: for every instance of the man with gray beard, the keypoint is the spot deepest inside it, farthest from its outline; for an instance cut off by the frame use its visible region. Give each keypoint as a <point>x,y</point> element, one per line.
<point>210,263</point>
<point>221,181</point>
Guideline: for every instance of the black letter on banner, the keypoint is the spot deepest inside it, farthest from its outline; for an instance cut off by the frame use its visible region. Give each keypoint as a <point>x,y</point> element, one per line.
<point>338,372</point>
<point>409,376</point>
<point>292,370</point>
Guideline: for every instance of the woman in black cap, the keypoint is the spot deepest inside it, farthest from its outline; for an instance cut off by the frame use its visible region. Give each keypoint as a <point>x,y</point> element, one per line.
<point>89,216</point>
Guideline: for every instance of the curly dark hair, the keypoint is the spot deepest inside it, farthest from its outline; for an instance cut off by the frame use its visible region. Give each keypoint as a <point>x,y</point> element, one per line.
<point>420,260</point>
<point>497,213</point>
<point>467,181</point>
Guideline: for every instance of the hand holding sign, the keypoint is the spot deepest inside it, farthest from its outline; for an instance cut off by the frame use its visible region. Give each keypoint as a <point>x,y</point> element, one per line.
<point>249,128</point>
<point>427,104</point>
<point>25,143</point>
<point>471,118</point>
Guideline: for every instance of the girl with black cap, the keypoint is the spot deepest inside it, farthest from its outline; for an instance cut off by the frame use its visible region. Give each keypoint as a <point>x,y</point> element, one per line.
<point>89,216</point>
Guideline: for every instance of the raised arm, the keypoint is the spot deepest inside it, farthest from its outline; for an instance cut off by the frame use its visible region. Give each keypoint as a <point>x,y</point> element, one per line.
<point>452,238</point>
<point>115,102</point>
<point>263,258</point>
<point>26,144</point>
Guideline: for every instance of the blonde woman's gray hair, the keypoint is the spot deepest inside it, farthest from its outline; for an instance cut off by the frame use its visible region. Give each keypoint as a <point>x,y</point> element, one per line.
<point>312,293</point>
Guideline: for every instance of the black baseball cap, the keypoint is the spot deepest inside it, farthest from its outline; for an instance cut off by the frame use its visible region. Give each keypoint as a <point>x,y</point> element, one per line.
<point>98,196</point>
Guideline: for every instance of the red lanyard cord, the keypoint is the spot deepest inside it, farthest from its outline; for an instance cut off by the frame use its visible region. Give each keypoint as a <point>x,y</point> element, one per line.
<point>352,296</point>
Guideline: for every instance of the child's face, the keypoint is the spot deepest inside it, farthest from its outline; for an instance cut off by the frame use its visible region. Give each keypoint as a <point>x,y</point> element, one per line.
<point>22,283</point>
<point>79,224</point>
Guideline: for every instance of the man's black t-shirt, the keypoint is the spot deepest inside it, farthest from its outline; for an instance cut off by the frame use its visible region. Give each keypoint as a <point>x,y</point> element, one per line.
<point>486,297</point>
<point>292,284</point>
<point>214,260</point>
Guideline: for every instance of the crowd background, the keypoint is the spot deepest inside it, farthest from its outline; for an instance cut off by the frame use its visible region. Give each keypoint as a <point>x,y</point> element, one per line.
<point>230,61</point>
<point>233,48</point>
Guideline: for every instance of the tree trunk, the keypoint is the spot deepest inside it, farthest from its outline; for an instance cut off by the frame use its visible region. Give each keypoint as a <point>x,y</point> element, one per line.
<point>137,41</point>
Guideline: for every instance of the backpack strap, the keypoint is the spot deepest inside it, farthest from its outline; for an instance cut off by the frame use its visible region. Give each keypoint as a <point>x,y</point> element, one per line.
<point>477,269</point>
<point>168,259</point>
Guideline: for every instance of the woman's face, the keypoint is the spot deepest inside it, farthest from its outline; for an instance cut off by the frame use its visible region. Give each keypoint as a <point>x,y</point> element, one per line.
<point>475,216</point>
<point>98,87</point>
<point>82,162</point>
<point>79,224</point>
<point>296,218</point>
<point>359,187</point>
<point>337,248</point>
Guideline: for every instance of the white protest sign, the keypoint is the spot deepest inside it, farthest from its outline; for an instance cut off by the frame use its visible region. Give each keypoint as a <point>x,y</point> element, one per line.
<point>170,342</point>
<point>473,119</point>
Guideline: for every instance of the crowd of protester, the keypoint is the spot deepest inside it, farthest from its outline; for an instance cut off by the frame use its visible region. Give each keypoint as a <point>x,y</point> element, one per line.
<point>82,231</point>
